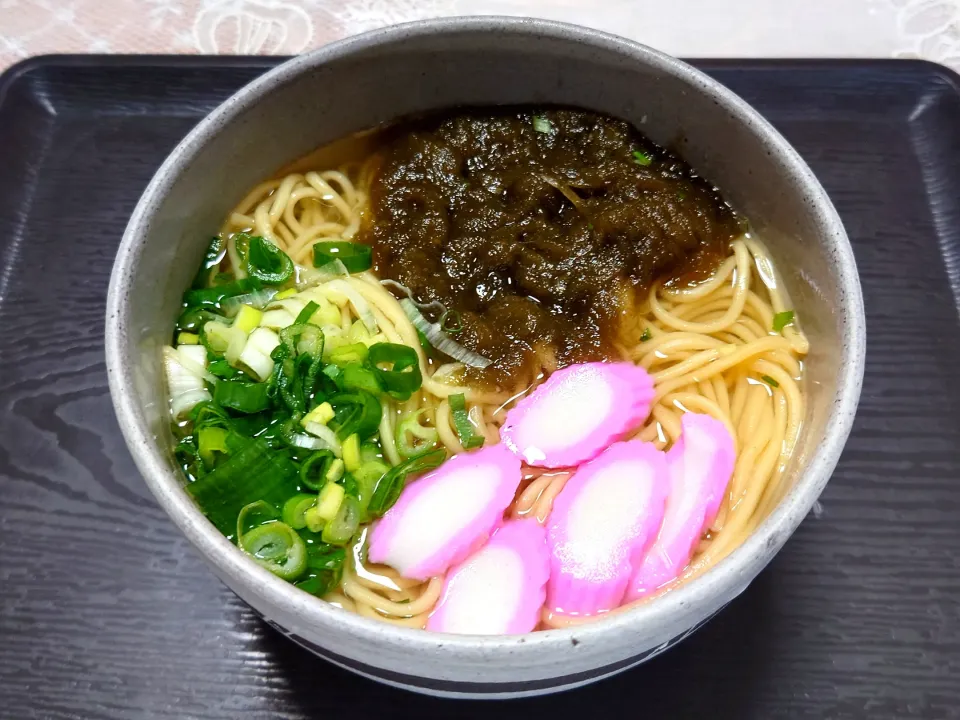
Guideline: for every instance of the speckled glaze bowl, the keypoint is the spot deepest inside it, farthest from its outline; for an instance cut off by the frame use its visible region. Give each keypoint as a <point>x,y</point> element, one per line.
<point>359,82</point>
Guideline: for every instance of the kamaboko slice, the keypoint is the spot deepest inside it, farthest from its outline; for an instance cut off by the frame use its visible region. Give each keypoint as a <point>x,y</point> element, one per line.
<point>602,521</point>
<point>442,517</point>
<point>578,412</point>
<point>500,588</point>
<point>700,464</point>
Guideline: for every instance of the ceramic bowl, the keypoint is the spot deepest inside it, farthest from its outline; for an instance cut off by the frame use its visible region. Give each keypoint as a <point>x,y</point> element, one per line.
<point>369,79</point>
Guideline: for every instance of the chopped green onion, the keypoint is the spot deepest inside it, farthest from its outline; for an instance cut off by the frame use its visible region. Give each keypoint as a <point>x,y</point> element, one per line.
<point>278,548</point>
<point>193,319</point>
<point>410,431</point>
<point>358,333</point>
<point>642,159</point>
<point>324,568</point>
<point>356,257</point>
<point>254,471</point>
<point>209,414</point>
<point>321,437</point>
<point>313,470</point>
<point>770,381</point>
<point>451,323</point>
<point>367,478</point>
<point>309,309</point>
<point>469,437</point>
<point>424,343</point>
<point>332,372</point>
<point>248,317</point>
<point>646,335</point>
<point>329,501</point>
<point>357,412</point>
<point>335,470</point>
<point>370,451</point>
<point>245,397</point>
<point>222,369</point>
<point>211,298</point>
<point>344,524</point>
<point>351,453</point>
<point>439,339</point>
<point>359,377</point>
<point>211,262</point>
<point>188,338</point>
<point>313,521</point>
<point>222,339</point>
<point>302,338</point>
<point>294,509</point>
<point>211,440</point>
<point>254,515</point>
<point>390,486</point>
<point>322,413</point>
<point>542,124</point>
<point>349,485</point>
<point>256,354</point>
<point>355,353</point>
<point>403,378</point>
<point>258,299</point>
<point>782,319</point>
<point>188,458</point>
<point>262,424</point>
<point>266,262</point>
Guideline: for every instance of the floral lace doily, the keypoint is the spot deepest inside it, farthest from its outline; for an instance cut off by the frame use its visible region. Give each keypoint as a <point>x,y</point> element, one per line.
<point>734,28</point>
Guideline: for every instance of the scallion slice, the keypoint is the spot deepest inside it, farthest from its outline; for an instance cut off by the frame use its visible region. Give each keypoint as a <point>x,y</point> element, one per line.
<point>344,524</point>
<point>314,471</point>
<point>414,438</point>
<point>356,257</point>
<point>211,262</point>
<point>356,412</point>
<point>390,486</point>
<point>468,435</point>
<point>245,397</point>
<point>277,547</point>
<point>359,377</point>
<point>294,509</point>
<point>542,124</point>
<point>324,568</point>
<point>266,262</point>
<point>440,340</point>
<point>211,298</point>
<point>346,354</point>
<point>309,309</point>
<point>402,377</point>
<point>252,472</point>
<point>782,319</point>
<point>367,478</point>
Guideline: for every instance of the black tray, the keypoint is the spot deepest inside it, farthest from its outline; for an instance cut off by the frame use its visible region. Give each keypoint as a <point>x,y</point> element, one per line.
<point>106,612</point>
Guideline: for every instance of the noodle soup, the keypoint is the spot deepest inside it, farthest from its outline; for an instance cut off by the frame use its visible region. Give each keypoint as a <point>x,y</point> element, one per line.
<point>520,359</point>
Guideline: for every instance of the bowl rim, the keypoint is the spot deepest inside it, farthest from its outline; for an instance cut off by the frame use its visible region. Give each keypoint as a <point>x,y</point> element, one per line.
<point>718,584</point>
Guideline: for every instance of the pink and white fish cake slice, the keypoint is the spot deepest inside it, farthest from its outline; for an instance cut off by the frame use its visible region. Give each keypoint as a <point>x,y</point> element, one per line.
<point>442,517</point>
<point>578,412</point>
<point>602,521</point>
<point>700,463</point>
<point>500,589</point>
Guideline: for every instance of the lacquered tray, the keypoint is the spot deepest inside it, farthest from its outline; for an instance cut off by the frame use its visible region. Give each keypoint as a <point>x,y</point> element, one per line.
<point>105,612</point>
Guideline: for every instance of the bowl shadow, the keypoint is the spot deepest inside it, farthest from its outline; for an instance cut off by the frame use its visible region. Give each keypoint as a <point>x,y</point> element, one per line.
<point>715,672</point>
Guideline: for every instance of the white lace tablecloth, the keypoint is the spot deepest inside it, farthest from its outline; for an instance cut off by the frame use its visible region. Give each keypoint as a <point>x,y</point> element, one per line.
<point>693,28</point>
